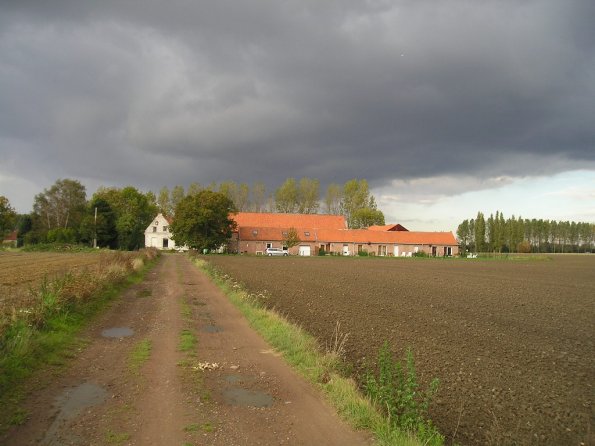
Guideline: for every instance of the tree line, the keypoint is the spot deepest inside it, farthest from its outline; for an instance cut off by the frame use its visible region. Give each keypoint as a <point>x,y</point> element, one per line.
<point>352,199</point>
<point>497,234</point>
<point>117,217</point>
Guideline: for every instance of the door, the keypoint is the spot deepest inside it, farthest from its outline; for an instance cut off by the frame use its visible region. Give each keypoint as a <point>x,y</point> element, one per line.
<point>396,251</point>
<point>304,250</point>
<point>345,250</point>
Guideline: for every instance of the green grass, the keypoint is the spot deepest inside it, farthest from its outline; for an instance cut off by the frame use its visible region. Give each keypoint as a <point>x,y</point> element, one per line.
<point>140,354</point>
<point>187,341</point>
<point>185,309</point>
<point>25,349</point>
<point>116,438</point>
<point>324,370</point>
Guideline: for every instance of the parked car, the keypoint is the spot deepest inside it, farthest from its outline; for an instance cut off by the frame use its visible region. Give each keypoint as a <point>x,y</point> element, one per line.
<point>276,252</point>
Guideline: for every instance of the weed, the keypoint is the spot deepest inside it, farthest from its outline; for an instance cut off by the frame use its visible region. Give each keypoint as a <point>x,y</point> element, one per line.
<point>194,427</point>
<point>116,438</point>
<point>207,427</point>
<point>140,354</point>
<point>187,341</point>
<point>395,389</point>
<point>186,310</point>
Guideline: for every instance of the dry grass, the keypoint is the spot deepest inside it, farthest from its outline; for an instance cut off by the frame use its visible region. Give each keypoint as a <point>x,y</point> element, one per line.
<point>35,285</point>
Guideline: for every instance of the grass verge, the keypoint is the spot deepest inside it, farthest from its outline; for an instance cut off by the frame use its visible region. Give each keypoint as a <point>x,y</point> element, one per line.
<point>51,339</point>
<point>323,370</point>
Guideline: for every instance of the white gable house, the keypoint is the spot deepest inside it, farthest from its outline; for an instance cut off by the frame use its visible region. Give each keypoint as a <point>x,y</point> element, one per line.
<point>158,235</point>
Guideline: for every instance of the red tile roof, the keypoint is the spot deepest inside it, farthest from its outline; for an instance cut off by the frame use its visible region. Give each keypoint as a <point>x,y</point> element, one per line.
<point>11,237</point>
<point>396,227</point>
<point>271,220</point>
<point>358,236</point>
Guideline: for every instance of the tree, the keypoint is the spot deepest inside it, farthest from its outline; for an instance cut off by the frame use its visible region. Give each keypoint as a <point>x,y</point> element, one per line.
<point>259,196</point>
<point>177,195</point>
<point>292,239</point>
<point>164,201</point>
<point>102,228</point>
<point>366,217</point>
<point>463,234</point>
<point>194,188</point>
<point>133,213</point>
<point>8,217</point>
<point>358,206</point>
<point>286,197</point>
<point>480,232</point>
<point>332,200</point>
<point>308,196</point>
<point>62,205</point>
<point>203,220</point>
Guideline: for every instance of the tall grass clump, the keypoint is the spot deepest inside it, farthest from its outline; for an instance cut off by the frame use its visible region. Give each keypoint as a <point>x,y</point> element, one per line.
<point>394,389</point>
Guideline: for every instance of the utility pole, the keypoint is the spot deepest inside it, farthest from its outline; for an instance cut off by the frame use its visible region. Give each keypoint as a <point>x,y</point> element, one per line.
<point>95,238</point>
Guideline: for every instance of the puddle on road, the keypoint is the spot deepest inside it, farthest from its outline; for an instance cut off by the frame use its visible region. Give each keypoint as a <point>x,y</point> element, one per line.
<point>237,379</point>
<point>70,404</point>
<point>211,329</point>
<point>243,397</point>
<point>117,332</point>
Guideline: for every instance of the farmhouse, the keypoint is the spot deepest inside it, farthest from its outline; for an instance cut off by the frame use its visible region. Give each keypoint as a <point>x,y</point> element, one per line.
<point>158,235</point>
<point>10,241</point>
<point>256,232</point>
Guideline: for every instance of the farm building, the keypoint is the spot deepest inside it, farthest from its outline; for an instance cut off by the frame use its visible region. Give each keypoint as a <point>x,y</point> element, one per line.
<point>258,231</point>
<point>10,241</point>
<point>158,235</point>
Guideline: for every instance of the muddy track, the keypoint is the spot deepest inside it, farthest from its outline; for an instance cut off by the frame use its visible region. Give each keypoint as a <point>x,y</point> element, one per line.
<point>228,387</point>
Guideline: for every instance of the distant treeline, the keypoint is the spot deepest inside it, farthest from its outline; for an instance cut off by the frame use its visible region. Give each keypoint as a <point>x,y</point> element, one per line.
<point>117,217</point>
<point>497,234</point>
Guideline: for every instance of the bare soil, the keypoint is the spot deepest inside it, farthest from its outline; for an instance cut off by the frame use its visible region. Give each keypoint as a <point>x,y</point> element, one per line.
<point>512,342</point>
<point>245,395</point>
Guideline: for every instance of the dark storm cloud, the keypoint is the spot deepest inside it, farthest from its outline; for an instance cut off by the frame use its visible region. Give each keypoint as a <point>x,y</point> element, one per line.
<point>154,93</point>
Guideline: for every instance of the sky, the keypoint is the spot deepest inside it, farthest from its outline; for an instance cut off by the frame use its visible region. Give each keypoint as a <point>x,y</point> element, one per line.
<point>446,108</point>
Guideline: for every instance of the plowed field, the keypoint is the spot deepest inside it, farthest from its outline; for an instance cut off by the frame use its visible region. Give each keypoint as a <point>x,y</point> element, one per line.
<point>512,342</point>
<point>22,269</point>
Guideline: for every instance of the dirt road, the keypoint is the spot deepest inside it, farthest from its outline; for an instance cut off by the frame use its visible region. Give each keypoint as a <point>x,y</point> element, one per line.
<point>209,379</point>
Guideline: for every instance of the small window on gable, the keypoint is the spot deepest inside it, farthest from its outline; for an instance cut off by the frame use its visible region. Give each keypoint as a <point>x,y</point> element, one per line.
<point>306,233</point>
<point>165,229</point>
<point>255,232</point>
<point>154,228</point>
<point>284,233</point>
<point>156,223</point>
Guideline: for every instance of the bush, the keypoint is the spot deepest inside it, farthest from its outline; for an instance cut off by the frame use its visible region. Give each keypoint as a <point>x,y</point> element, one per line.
<point>420,254</point>
<point>395,390</point>
<point>321,252</point>
<point>363,253</point>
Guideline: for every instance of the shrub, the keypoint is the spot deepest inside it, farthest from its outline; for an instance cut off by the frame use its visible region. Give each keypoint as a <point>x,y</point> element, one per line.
<point>394,388</point>
<point>321,252</point>
<point>363,253</point>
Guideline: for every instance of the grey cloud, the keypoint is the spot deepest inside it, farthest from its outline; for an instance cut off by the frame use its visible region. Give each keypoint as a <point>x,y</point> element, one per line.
<point>153,93</point>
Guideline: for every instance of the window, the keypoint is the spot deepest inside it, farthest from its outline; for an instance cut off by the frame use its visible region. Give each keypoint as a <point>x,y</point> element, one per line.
<point>269,245</point>
<point>255,232</point>
<point>154,228</point>
<point>284,233</point>
<point>165,229</point>
<point>306,233</point>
